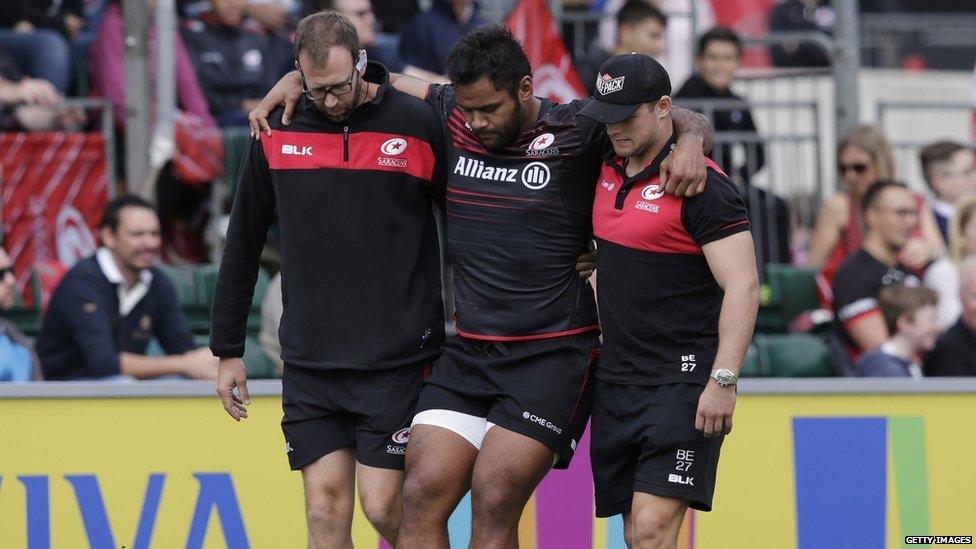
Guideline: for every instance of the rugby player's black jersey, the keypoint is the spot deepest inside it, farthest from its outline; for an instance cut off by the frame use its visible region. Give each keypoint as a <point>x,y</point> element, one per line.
<point>359,257</point>
<point>659,302</point>
<point>517,219</point>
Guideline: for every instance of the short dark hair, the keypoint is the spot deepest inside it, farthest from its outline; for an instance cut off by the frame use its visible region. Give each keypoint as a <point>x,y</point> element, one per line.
<point>491,51</point>
<point>634,12</point>
<point>319,32</point>
<point>935,153</point>
<point>876,189</point>
<point>719,34</point>
<point>110,219</point>
<point>898,300</point>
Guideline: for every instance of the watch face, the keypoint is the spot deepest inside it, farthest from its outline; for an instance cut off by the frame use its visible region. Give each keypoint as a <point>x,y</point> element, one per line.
<point>724,377</point>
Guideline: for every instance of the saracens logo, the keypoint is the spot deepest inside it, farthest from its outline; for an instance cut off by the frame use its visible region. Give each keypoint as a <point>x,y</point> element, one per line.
<point>606,84</point>
<point>401,436</point>
<point>394,147</point>
<point>652,192</point>
<point>540,146</point>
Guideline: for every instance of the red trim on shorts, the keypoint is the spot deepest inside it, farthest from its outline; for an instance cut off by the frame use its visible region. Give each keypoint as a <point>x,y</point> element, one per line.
<point>550,335</point>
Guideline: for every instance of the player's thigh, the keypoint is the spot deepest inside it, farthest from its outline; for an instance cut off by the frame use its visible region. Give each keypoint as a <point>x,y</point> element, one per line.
<point>653,516</point>
<point>509,467</point>
<point>380,489</point>
<point>438,465</point>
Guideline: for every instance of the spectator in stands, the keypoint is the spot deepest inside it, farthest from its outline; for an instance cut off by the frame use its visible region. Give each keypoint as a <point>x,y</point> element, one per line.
<point>679,49</point>
<point>719,54</point>
<point>395,14</point>
<point>949,169</point>
<point>911,318</point>
<point>34,102</point>
<point>276,16</point>
<point>955,352</point>
<point>18,362</point>
<point>801,15</point>
<point>236,62</point>
<point>864,157</point>
<point>640,28</point>
<point>107,66</point>
<point>890,215</point>
<point>943,275</point>
<point>37,34</point>
<point>427,38</point>
<point>107,307</point>
<point>181,206</point>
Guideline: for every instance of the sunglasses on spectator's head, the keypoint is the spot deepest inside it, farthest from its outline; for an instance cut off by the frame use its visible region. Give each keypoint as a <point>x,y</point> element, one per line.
<point>857,168</point>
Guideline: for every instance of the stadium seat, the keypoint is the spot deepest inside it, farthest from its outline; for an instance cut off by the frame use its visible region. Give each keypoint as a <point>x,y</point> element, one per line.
<point>197,310</point>
<point>207,282</point>
<point>235,144</point>
<point>751,367</point>
<point>793,355</point>
<point>791,291</point>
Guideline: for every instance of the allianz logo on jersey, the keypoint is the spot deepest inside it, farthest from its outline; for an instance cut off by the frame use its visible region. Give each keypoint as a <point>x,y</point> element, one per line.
<point>295,150</point>
<point>534,175</point>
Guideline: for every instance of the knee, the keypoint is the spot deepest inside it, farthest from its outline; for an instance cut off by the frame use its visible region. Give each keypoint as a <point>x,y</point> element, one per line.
<point>382,510</point>
<point>328,508</point>
<point>652,528</point>
<point>425,494</point>
<point>497,501</point>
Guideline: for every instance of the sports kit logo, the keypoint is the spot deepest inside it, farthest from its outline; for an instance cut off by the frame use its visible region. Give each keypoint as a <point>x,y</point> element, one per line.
<point>534,175</point>
<point>295,151</point>
<point>527,415</point>
<point>401,436</point>
<point>540,146</point>
<point>606,84</point>
<point>652,192</point>
<point>394,147</point>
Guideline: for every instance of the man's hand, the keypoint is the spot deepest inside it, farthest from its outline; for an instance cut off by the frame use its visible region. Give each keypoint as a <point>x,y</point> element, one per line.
<point>200,364</point>
<point>586,264</point>
<point>34,91</point>
<point>715,407</point>
<point>233,376</point>
<point>272,16</point>
<point>915,254</point>
<point>286,92</point>
<point>74,24</point>
<point>683,172</point>
<point>24,26</point>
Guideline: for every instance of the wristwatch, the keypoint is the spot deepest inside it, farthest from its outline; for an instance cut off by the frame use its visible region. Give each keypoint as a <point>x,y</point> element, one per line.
<point>724,377</point>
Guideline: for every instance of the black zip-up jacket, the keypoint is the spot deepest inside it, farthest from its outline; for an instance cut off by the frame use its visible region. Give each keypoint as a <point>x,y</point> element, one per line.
<point>360,267</point>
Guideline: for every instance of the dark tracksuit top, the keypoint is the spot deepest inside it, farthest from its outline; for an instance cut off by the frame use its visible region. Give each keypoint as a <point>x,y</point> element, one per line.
<point>360,266</point>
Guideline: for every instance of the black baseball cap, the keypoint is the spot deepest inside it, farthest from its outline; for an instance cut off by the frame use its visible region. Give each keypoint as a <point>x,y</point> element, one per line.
<point>625,82</point>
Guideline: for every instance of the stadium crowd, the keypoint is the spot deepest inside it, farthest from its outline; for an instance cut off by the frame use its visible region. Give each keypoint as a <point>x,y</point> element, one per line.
<point>895,268</point>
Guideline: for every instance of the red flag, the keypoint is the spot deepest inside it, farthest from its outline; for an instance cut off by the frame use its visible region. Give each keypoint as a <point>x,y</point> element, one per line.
<point>553,73</point>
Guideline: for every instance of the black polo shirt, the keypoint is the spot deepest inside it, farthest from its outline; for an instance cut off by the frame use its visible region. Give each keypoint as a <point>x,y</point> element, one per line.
<point>84,329</point>
<point>659,302</point>
<point>954,354</point>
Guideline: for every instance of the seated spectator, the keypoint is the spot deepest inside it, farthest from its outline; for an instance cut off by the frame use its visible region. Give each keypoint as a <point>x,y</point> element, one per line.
<point>640,28</point>
<point>955,351</point>
<point>890,215</point>
<point>107,307</point>
<point>864,157</point>
<point>17,359</point>
<point>719,55</point>
<point>37,34</point>
<point>943,275</point>
<point>34,102</point>
<point>427,38</point>
<point>236,62</point>
<point>911,319</point>
<point>949,169</point>
<point>801,15</point>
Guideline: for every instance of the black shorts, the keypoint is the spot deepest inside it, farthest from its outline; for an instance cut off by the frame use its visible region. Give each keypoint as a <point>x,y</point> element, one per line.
<point>643,439</point>
<point>327,410</point>
<point>538,388</point>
